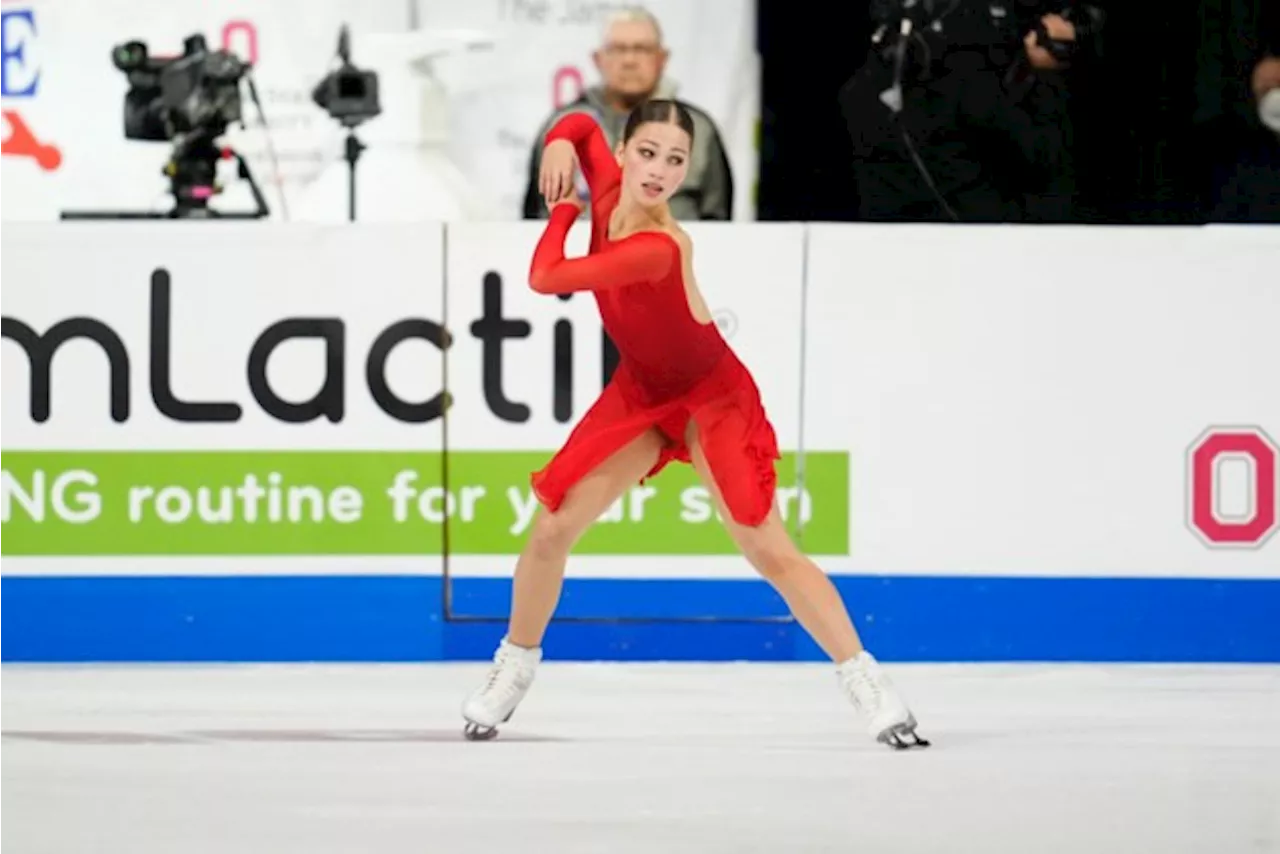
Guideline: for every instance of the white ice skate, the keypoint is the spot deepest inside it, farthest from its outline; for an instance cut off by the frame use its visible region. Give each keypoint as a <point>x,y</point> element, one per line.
<point>495,701</point>
<point>872,693</point>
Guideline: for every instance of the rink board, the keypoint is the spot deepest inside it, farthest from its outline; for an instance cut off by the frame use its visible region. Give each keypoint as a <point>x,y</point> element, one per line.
<point>305,443</point>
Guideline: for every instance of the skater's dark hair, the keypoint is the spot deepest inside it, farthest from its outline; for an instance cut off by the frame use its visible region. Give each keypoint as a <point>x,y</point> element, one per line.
<point>660,110</point>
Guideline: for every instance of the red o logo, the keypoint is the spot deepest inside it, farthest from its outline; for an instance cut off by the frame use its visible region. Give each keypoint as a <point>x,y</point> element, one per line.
<point>249,36</point>
<point>1232,486</point>
<point>567,86</point>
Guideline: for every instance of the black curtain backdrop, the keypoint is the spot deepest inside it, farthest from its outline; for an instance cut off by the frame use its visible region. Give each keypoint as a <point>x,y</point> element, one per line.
<point>1165,101</point>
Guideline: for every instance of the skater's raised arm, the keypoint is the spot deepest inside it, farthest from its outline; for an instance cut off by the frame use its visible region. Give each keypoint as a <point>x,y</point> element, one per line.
<point>643,257</point>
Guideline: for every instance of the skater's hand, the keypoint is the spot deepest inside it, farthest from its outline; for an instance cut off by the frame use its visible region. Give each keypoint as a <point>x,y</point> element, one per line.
<point>555,178</point>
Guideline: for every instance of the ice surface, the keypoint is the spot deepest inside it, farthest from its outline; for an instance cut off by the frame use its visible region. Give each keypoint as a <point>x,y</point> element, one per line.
<point>617,758</point>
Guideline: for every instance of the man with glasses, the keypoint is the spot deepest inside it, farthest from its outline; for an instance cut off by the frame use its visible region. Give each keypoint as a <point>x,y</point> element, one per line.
<point>631,61</point>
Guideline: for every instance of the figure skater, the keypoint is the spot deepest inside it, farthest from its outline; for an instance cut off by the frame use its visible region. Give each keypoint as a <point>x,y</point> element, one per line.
<point>679,393</point>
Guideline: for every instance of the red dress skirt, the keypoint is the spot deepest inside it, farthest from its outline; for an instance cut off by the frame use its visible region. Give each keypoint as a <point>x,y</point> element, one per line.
<point>734,432</point>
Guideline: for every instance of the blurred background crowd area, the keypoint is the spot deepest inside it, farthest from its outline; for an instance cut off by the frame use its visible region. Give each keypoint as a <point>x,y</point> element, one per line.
<point>1015,111</point>
<point>1168,113</point>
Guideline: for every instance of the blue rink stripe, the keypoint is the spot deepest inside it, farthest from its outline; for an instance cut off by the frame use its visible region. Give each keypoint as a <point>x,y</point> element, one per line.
<point>399,618</point>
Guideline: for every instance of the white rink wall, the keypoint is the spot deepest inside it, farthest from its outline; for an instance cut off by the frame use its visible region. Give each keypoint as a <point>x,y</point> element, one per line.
<point>278,442</point>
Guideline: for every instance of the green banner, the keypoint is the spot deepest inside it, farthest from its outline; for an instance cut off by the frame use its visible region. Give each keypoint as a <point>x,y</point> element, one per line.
<point>364,503</point>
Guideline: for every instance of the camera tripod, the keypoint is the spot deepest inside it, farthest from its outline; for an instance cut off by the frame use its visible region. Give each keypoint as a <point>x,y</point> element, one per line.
<point>192,172</point>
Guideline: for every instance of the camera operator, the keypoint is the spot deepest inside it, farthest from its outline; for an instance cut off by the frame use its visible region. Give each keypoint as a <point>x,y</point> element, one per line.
<point>967,117</point>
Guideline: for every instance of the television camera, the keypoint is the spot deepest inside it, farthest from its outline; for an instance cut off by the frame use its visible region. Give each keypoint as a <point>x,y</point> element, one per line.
<point>350,96</point>
<point>189,100</point>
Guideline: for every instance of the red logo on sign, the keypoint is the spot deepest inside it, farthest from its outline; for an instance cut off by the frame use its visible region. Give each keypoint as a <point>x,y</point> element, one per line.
<point>567,86</point>
<point>1254,518</point>
<point>21,142</point>
<point>241,38</point>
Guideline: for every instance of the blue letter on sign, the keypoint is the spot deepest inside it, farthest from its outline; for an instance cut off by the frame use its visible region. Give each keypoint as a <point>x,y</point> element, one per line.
<point>17,28</point>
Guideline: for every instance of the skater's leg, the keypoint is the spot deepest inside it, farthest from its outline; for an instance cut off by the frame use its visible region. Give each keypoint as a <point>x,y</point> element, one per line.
<point>808,592</point>
<point>540,568</point>
<point>538,579</point>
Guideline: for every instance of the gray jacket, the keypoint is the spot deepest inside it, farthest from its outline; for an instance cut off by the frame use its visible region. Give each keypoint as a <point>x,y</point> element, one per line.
<point>707,192</point>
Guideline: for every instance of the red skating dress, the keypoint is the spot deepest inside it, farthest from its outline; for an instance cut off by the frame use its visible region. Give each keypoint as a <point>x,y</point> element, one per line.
<point>671,368</point>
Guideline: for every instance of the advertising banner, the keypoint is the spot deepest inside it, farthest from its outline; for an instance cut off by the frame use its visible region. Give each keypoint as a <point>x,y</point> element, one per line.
<point>1049,401</point>
<point>196,390</point>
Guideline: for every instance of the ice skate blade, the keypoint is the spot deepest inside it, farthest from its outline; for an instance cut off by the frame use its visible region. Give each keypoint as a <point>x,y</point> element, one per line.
<point>902,736</point>
<point>482,732</point>
<point>476,732</point>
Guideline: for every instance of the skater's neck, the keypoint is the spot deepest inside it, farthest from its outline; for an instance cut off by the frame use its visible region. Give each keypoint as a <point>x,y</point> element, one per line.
<point>630,217</point>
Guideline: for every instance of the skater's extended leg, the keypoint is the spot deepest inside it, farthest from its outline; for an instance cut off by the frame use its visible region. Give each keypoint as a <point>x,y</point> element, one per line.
<point>808,592</point>
<point>540,568</point>
<point>812,598</point>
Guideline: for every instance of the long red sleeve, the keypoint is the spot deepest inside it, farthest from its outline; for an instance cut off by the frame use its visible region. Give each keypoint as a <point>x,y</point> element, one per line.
<point>599,166</point>
<point>643,257</point>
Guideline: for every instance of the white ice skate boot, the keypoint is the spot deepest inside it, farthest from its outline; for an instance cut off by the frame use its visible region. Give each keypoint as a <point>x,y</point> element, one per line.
<point>873,695</point>
<point>495,701</point>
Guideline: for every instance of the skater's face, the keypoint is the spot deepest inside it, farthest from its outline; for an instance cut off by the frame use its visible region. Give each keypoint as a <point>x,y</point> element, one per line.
<point>655,161</point>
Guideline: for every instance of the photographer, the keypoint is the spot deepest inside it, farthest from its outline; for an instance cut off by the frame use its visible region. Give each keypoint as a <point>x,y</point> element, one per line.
<point>1246,182</point>
<point>1238,113</point>
<point>966,117</point>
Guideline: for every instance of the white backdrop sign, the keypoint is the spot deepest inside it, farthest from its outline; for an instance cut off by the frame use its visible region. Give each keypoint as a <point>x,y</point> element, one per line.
<point>64,142</point>
<point>542,59</point>
<point>61,85</point>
